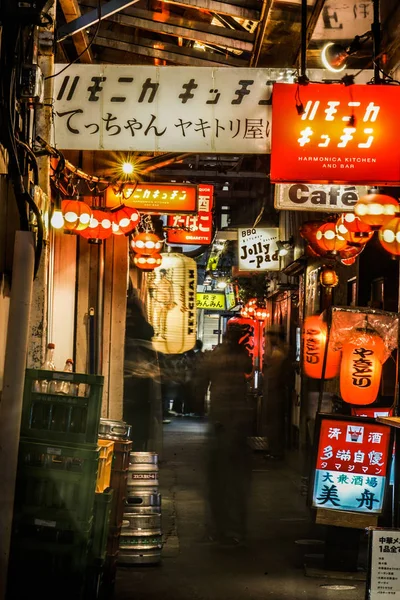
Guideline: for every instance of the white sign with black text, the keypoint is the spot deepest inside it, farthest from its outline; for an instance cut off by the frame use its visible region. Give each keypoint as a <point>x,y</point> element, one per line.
<point>316,197</point>
<point>258,250</point>
<point>384,565</point>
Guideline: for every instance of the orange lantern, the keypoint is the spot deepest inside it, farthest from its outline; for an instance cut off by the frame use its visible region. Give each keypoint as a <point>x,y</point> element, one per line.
<point>328,277</point>
<point>329,240</point>
<point>147,263</point>
<point>308,231</point>
<point>361,368</point>
<point>76,214</point>
<point>389,236</point>
<point>376,209</point>
<point>315,332</point>
<point>351,252</point>
<point>99,227</point>
<point>250,338</point>
<point>353,230</point>
<point>146,243</point>
<point>348,261</point>
<point>125,220</point>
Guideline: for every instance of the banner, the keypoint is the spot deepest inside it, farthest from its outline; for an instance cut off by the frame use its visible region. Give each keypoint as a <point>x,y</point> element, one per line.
<point>211,300</point>
<point>318,198</point>
<point>196,229</point>
<point>332,133</point>
<point>257,249</point>
<point>155,198</point>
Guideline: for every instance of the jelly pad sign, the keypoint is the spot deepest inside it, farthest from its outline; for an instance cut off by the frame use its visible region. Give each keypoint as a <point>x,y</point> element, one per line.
<point>351,466</point>
<point>258,250</point>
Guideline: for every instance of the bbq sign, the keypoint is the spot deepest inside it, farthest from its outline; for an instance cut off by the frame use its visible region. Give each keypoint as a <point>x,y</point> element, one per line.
<point>351,465</point>
<point>331,133</point>
<point>257,249</point>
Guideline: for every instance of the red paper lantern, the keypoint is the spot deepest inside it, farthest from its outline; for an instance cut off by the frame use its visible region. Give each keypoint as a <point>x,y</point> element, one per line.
<point>376,209</point>
<point>351,252</point>
<point>353,230</point>
<point>315,333</point>
<point>348,261</point>
<point>329,240</point>
<point>125,220</point>
<point>249,335</point>
<point>99,226</point>
<point>361,367</point>
<point>76,214</point>
<point>308,231</point>
<point>389,236</point>
<point>147,263</point>
<point>146,243</point>
<point>328,277</point>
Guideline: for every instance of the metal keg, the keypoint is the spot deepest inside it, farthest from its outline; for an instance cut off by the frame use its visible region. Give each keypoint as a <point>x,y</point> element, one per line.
<point>143,474</point>
<point>143,501</point>
<point>110,429</point>
<point>139,557</point>
<point>145,539</point>
<point>141,522</point>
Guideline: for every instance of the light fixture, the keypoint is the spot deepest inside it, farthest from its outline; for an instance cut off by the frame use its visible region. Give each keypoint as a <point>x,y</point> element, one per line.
<point>57,218</point>
<point>225,187</point>
<point>333,57</point>
<point>285,246</point>
<point>221,284</point>
<point>127,168</point>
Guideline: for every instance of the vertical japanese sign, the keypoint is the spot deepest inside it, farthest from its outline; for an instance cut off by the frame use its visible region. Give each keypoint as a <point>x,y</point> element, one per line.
<point>258,250</point>
<point>351,466</point>
<point>146,108</point>
<point>331,133</point>
<point>384,567</point>
<point>196,229</point>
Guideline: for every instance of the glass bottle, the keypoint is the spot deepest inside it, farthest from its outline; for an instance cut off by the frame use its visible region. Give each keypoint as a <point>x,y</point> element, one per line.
<point>67,387</point>
<point>42,385</point>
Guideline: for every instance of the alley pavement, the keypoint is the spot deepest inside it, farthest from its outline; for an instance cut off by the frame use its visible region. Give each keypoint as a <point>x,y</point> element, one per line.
<point>283,557</point>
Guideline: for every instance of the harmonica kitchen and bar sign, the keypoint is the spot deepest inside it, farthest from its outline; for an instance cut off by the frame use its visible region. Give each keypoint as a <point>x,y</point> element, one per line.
<point>168,109</point>
<point>332,133</point>
<point>318,198</point>
<point>155,198</point>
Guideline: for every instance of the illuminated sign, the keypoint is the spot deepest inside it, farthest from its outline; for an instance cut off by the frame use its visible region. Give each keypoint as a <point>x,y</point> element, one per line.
<point>331,133</point>
<point>195,229</point>
<point>351,465</point>
<point>318,198</point>
<point>230,296</point>
<point>155,198</point>
<point>257,249</point>
<point>211,300</point>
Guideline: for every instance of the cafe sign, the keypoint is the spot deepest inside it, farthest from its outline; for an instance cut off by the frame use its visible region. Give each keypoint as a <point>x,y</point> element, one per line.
<point>332,133</point>
<point>318,198</point>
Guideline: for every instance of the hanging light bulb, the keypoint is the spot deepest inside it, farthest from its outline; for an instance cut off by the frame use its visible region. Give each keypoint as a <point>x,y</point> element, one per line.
<point>57,219</point>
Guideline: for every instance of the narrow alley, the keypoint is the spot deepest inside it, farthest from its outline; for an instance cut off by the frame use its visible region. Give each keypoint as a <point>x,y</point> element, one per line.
<point>270,565</point>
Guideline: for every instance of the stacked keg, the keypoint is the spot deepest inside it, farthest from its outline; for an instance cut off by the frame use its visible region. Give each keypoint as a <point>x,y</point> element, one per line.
<point>141,533</point>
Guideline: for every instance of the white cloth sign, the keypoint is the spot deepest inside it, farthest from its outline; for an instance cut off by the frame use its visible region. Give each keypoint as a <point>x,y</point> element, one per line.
<point>258,250</point>
<point>318,198</point>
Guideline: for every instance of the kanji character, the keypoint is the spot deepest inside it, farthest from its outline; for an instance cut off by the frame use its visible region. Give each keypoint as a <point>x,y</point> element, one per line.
<point>359,456</point>
<point>375,437</point>
<point>364,6</point>
<point>305,136</point>
<point>64,87</point>
<point>357,480</point>
<point>329,494</point>
<point>133,125</point>
<point>310,110</point>
<point>370,139</point>
<point>371,113</point>
<point>218,127</point>
<point>184,126</point>
<point>331,110</point>
<point>253,129</point>
<point>238,129</point>
<point>96,128</point>
<point>71,113</point>
<point>188,87</point>
<point>375,457</point>
<point>367,499</point>
<point>95,88</point>
<point>327,453</point>
<point>327,139</point>
<point>346,137</point>
<point>344,455</point>
<point>202,126</point>
<point>343,478</point>
<point>216,97</point>
<point>110,127</point>
<point>148,85</point>
<point>242,91</point>
<point>151,126</point>
<point>334,432</point>
<point>371,481</point>
<point>121,80</point>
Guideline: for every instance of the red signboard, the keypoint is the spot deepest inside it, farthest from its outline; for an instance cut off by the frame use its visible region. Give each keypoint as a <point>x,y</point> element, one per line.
<point>156,198</point>
<point>196,229</point>
<point>332,133</point>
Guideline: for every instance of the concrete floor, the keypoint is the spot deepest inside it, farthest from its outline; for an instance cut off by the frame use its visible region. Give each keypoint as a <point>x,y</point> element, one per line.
<point>272,563</point>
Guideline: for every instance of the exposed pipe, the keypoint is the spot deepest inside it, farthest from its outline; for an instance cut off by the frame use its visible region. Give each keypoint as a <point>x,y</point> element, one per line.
<point>376,36</point>
<point>13,387</point>
<point>165,163</point>
<point>262,26</point>
<point>303,55</point>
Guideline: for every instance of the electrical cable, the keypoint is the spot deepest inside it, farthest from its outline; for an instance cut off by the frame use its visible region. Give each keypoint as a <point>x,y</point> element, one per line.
<point>32,160</point>
<point>87,47</point>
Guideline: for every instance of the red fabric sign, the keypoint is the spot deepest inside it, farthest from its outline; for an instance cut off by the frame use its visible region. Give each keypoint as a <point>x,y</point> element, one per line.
<point>353,447</point>
<point>197,228</point>
<point>344,134</point>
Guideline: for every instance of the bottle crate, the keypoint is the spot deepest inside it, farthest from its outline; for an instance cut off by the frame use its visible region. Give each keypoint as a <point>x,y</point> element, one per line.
<point>56,482</point>
<point>62,532</point>
<point>102,510</point>
<point>119,480</point>
<point>63,418</point>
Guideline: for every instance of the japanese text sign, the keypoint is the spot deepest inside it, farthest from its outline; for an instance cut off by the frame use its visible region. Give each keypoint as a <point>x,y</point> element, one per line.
<point>211,300</point>
<point>196,229</point>
<point>318,198</point>
<point>384,568</point>
<point>156,198</point>
<point>258,250</point>
<point>351,467</point>
<point>343,134</point>
<point>146,108</point>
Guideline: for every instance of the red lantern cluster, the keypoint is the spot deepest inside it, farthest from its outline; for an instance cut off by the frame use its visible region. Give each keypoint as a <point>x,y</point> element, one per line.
<point>147,246</point>
<point>315,333</point>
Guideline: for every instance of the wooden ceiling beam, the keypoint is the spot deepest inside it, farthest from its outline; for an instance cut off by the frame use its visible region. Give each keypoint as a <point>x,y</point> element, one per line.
<point>223,8</point>
<point>71,12</point>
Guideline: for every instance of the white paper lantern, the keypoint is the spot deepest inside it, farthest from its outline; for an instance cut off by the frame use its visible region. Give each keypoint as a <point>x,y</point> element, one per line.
<point>171,303</point>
